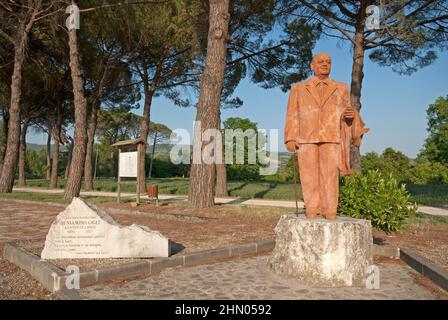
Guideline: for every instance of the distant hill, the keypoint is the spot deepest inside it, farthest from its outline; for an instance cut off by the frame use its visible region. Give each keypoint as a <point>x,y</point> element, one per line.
<point>38,147</point>
<point>162,150</point>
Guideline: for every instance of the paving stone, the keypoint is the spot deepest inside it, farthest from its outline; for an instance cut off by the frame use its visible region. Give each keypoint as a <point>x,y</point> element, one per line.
<point>251,278</point>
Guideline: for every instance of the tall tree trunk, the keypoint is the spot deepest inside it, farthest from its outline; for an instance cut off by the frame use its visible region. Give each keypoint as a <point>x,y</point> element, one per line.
<point>55,164</point>
<point>48,169</point>
<point>201,191</point>
<point>73,184</point>
<point>13,141</point>
<point>88,178</point>
<point>22,155</point>
<point>4,139</point>
<point>12,147</point>
<point>221,174</point>
<point>152,154</point>
<point>144,136</point>
<point>69,159</point>
<point>357,73</point>
<point>221,180</point>
<point>96,164</point>
<point>357,78</point>
<point>146,120</point>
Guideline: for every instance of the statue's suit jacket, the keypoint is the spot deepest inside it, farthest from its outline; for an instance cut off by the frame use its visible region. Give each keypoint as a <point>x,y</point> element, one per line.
<point>312,120</point>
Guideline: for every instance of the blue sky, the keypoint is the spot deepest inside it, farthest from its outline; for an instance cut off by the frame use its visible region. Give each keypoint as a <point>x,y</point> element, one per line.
<point>393,106</point>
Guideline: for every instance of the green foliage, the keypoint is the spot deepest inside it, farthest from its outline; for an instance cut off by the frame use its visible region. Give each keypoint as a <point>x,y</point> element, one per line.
<point>390,162</point>
<point>159,131</point>
<point>166,32</point>
<point>287,173</point>
<point>245,170</point>
<point>436,145</point>
<point>425,172</point>
<point>284,43</point>
<point>117,124</point>
<point>396,164</point>
<point>107,160</point>
<point>114,125</point>
<point>410,32</point>
<point>35,163</point>
<point>371,161</point>
<point>377,198</point>
<point>162,167</point>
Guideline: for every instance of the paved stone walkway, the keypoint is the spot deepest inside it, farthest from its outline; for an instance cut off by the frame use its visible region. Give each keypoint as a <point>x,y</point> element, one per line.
<point>251,278</point>
<point>229,200</point>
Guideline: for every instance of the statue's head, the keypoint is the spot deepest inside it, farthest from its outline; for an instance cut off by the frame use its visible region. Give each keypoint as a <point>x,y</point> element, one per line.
<point>321,65</point>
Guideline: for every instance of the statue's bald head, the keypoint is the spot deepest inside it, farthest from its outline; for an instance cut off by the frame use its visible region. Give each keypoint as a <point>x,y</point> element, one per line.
<point>321,65</point>
<point>319,55</point>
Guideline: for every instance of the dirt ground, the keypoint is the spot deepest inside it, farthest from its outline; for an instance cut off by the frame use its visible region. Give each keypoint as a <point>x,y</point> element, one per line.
<point>191,229</point>
<point>217,227</point>
<point>426,238</point>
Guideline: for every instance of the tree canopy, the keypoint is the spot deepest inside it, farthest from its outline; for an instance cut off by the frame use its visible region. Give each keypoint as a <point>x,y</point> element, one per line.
<point>435,148</point>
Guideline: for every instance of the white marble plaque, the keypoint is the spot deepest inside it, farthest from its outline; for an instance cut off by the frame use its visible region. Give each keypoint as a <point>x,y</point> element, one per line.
<point>85,231</point>
<point>128,164</point>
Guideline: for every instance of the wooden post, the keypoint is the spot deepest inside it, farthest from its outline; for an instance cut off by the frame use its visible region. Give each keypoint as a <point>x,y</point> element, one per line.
<point>119,178</point>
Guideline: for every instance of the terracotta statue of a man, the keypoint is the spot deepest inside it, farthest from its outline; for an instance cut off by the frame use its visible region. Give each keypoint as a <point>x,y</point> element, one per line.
<point>320,125</point>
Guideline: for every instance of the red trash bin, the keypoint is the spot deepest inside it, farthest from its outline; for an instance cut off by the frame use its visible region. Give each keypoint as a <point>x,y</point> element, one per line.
<point>153,191</point>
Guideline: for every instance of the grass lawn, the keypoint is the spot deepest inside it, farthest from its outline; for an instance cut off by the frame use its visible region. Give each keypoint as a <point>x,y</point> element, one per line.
<point>432,195</point>
<point>420,218</point>
<point>252,189</point>
<point>48,197</point>
<point>429,194</point>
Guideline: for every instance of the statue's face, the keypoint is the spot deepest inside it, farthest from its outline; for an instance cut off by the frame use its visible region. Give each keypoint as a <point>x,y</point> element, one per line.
<point>321,65</point>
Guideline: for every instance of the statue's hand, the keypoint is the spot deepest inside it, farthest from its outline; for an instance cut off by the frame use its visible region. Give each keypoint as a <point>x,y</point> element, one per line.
<point>291,146</point>
<point>349,113</point>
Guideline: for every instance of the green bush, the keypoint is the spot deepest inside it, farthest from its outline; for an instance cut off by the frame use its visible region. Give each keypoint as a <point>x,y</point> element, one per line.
<point>377,198</point>
<point>243,172</point>
<point>390,162</point>
<point>425,172</point>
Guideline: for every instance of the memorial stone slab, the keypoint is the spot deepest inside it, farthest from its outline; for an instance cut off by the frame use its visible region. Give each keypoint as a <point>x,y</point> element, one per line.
<point>84,231</point>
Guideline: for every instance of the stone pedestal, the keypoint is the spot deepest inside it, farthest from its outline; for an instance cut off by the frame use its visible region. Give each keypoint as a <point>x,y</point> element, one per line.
<point>323,253</point>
